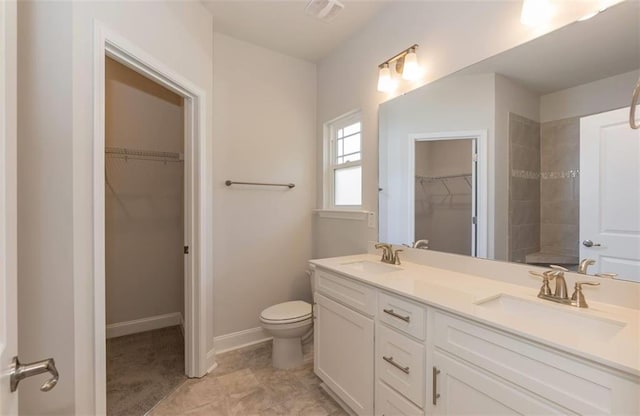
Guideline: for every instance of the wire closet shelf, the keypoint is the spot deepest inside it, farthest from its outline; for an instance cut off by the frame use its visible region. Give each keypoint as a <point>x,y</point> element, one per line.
<point>137,154</point>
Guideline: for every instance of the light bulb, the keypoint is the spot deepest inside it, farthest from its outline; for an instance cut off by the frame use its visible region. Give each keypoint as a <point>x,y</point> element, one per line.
<point>535,12</point>
<point>384,78</point>
<point>410,69</point>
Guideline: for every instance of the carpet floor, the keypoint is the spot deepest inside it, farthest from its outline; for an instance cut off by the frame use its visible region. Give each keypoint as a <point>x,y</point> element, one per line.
<point>142,369</point>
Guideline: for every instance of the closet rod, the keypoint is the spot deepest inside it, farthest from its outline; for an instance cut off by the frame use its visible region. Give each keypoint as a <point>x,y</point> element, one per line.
<point>435,178</point>
<point>288,185</point>
<point>136,153</point>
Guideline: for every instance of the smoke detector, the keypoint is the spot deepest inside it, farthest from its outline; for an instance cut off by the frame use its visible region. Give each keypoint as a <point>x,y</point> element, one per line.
<point>324,10</point>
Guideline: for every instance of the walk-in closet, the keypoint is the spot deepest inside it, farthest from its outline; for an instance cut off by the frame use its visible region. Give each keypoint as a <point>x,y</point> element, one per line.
<point>144,228</point>
<point>444,184</point>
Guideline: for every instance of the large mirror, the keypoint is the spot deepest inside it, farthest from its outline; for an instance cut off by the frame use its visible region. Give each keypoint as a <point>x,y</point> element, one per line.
<point>527,156</point>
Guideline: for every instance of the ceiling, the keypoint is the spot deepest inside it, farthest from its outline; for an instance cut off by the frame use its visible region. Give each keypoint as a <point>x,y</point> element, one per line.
<point>582,52</point>
<point>285,27</point>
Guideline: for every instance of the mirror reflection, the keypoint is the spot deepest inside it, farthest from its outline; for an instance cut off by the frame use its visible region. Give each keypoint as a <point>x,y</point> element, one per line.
<point>526,157</point>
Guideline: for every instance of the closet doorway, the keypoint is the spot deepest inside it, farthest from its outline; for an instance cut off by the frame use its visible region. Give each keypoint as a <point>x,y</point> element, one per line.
<point>196,248</point>
<point>144,240</point>
<point>446,206</point>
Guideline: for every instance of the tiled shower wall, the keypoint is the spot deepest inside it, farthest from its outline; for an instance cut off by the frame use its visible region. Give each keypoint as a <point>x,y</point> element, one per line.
<point>524,187</point>
<point>560,186</point>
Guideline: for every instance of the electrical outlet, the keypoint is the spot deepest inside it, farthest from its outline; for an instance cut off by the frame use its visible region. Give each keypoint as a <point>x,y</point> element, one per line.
<point>371,219</point>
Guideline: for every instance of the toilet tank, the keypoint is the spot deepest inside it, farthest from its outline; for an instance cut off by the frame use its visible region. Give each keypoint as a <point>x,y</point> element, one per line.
<point>312,279</point>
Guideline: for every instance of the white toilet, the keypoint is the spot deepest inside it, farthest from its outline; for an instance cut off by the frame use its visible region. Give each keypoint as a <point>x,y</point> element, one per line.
<point>287,322</point>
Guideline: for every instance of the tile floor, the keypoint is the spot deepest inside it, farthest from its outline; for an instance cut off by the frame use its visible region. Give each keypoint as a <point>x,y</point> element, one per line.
<point>142,369</point>
<point>244,383</point>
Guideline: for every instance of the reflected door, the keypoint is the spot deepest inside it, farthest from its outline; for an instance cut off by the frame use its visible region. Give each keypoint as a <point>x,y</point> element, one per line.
<point>609,196</point>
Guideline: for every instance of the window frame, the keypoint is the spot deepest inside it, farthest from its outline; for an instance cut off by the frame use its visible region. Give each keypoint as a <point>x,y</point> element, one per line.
<point>330,159</point>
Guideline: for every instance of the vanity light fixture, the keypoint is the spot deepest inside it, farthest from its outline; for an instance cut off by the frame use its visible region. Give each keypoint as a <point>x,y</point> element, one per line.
<point>406,63</point>
<point>535,12</point>
<point>384,78</point>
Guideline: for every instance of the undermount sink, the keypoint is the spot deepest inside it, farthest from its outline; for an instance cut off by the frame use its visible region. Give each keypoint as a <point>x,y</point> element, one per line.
<point>566,318</point>
<point>371,267</point>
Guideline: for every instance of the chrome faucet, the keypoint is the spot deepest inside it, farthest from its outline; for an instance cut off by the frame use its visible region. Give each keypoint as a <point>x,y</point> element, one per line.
<point>423,244</point>
<point>584,265</point>
<point>388,255</point>
<point>560,293</point>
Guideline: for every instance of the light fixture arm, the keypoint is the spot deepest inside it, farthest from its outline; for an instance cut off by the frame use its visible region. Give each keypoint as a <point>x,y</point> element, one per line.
<point>400,55</point>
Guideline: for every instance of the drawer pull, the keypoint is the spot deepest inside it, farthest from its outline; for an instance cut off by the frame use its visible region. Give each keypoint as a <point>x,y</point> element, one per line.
<point>434,385</point>
<point>396,365</point>
<point>395,315</point>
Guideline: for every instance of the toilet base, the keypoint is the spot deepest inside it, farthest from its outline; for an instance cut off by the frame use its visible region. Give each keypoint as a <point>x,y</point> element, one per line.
<point>287,353</point>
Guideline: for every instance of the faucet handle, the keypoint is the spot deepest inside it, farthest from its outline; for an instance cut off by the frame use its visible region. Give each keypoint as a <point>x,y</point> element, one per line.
<point>545,290</point>
<point>578,296</point>
<point>607,275</point>
<point>559,270</point>
<point>396,257</point>
<point>387,252</point>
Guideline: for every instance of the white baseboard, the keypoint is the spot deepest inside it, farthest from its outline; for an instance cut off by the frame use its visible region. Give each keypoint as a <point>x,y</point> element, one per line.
<point>145,324</point>
<point>235,340</point>
<point>211,360</point>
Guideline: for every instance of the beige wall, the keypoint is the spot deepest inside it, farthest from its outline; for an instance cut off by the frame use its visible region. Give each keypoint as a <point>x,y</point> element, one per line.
<point>264,122</point>
<point>144,199</point>
<point>591,98</point>
<point>451,37</point>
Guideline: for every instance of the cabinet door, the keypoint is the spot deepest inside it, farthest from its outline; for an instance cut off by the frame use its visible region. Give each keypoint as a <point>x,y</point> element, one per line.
<point>390,403</point>
<point>344,353</point>
<point>467,390</point>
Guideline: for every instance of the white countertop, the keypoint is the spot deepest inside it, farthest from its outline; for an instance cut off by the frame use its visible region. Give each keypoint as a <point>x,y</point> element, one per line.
<point>615,344</point>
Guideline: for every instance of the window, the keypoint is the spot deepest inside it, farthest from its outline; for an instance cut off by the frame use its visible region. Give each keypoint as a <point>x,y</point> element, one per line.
<point>343,187</point>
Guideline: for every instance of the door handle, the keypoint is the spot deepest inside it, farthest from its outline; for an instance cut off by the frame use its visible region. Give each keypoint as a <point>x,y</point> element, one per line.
<point>434,385</point>
<point>589,243</point>
<point>18,372</point>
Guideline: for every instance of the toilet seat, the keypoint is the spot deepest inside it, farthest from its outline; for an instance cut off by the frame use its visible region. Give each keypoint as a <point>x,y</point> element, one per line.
<point>286,313</point>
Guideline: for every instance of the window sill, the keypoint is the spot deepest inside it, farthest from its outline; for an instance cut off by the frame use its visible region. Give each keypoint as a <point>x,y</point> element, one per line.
<point>342,214</point>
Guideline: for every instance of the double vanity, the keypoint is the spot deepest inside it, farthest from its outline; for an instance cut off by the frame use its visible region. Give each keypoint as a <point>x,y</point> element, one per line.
<point>412,339</point>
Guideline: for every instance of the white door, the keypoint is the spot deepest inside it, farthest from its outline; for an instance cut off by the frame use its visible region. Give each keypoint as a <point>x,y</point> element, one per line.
<point>8,239</point>
<point>609,193</point>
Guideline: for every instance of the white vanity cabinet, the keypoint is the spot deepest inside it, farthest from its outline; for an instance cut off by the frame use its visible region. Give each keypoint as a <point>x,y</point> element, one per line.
<point>490,370</point>
<point>400,355</point>
<point>385,354</point>
<point>343,339</point>
<point>463,389</point>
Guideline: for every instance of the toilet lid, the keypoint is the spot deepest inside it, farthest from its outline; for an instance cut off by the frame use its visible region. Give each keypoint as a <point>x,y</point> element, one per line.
<point>287,311</point>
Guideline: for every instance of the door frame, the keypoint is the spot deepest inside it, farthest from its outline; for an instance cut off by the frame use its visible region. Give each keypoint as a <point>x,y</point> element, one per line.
<point>480,202</point>
<point>108,43</point>
<point>8,201</point>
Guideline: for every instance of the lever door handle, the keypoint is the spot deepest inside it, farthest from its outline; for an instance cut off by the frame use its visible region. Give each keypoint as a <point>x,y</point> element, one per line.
<point>589,243</point>
<point>18,372</point>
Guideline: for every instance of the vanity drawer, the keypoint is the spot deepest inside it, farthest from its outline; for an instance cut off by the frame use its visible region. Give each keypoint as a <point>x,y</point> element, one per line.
<point>390,403</point>
<point>567,382</point>
<point>400,363</point>
<point>346,291</point>
<point>402,314</point>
